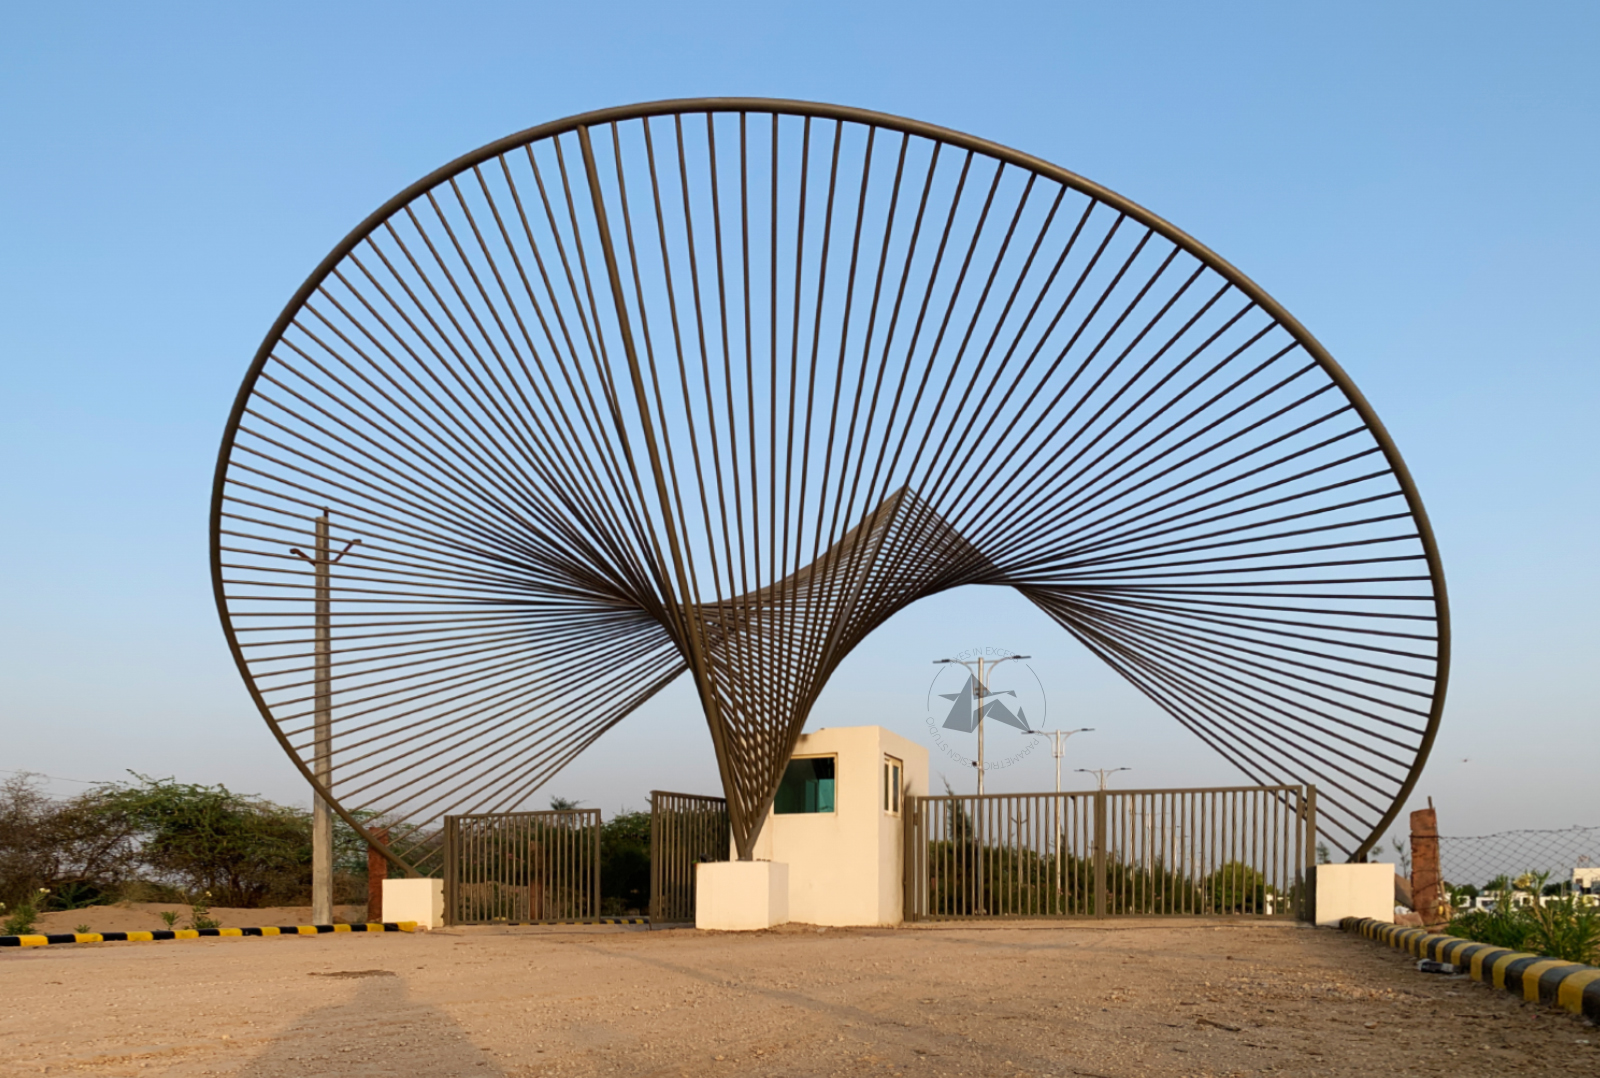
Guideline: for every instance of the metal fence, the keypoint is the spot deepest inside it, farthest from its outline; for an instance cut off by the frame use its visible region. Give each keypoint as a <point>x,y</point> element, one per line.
<point>522,867</point>
<point>1479,860</point>
<point>685,830</point>
<point>1235,850</point>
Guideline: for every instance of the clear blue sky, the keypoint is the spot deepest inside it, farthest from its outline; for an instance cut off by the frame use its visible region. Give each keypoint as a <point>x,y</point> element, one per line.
<point>1417,183</point>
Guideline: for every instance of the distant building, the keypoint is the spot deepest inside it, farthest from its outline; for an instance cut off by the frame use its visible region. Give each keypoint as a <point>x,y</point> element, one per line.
<point>1586,879</point>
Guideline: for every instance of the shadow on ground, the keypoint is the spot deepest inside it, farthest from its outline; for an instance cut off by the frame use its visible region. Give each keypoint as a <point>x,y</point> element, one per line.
<point>379,1030</point>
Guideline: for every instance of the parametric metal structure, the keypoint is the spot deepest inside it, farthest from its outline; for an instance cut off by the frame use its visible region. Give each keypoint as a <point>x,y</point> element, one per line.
<point>719,386</point>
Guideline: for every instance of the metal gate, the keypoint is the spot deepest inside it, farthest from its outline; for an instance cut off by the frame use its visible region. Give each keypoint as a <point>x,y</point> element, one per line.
<point>1233,850</point>
<point>522,867</point>
<point>685,830</point>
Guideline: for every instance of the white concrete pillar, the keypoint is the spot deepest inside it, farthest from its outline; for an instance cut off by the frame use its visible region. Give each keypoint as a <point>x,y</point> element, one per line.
<point>419,900</point>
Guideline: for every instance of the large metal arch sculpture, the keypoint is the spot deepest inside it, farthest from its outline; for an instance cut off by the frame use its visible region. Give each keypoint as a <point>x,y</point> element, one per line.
<point>719,386</point>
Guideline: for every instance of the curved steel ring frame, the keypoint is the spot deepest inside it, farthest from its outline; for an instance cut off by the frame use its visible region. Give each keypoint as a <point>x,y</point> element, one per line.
<point>719,386</point>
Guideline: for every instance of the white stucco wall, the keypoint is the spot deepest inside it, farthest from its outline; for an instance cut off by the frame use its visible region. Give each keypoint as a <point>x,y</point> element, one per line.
<point>1354,891</point>
<point>846,866</point>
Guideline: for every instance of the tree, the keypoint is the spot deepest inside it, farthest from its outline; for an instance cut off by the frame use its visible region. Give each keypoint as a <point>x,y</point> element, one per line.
<point>242,849</point>
<point>1237,888</point>
<point>625,862</point>
<point>73,849</point>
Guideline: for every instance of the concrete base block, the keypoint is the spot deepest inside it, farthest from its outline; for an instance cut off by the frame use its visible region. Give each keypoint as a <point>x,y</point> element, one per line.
<point>741,896</point>
<point>419,900</point>
<point>1353,891</point>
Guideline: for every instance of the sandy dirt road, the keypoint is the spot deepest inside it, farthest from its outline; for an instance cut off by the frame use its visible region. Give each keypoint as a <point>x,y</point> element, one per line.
<point>1099,1001</point>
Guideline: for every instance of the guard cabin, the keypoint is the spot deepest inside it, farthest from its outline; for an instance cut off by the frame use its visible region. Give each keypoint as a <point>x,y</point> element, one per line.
<point>832,851</point>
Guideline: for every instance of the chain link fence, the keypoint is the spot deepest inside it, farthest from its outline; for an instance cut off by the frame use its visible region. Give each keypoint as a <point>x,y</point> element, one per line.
<point>1475,860</point>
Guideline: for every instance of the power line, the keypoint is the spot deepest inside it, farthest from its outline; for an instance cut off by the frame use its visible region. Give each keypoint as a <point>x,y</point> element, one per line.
<point>57,778</point>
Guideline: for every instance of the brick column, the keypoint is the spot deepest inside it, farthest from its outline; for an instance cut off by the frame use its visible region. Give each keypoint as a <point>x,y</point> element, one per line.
<point>1427,894</point>
<point>377,872</point>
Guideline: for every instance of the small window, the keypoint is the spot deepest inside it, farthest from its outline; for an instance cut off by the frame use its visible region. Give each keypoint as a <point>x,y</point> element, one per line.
<point>892,770</point>
<point>807,786</point>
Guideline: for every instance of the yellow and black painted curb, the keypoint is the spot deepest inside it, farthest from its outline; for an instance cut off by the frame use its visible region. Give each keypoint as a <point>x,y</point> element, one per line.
<point>198,933</point>
<point>1569,985</point>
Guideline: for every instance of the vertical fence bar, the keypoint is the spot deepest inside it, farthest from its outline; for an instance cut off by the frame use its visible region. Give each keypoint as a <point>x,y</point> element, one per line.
<point>908,858</point>
<point>1100,853</point>
<point>1276,841</point>
<point>1208,831</point>
<point>452,883</point>
<point>959,834</point>
<point>1174,880</point>
<point>1005,842</point>
<point>1218,854</point>
<point>659,856</point>
<point>980,842</point>
<point>1301,867</point>
<point>1311,851</point>
<point>1188,851</point>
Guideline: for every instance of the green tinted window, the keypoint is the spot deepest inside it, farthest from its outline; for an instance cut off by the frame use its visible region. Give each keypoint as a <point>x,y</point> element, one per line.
<point>807,786</point>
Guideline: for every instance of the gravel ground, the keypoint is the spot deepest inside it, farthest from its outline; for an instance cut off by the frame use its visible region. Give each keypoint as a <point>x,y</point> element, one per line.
<point>1094,1000</point>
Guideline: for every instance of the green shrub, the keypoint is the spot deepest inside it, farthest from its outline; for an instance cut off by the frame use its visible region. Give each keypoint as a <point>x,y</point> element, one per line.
<point>19,921</point>
<point>1565,926</point>
<point>200,914</point>
<point>1499,927</point>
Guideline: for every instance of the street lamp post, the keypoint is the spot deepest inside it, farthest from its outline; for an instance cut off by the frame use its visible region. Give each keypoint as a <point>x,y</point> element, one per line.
<point>982,688</point>
<point>1058,745</point>
<point>1058,749</point>
<point>1102,773</point>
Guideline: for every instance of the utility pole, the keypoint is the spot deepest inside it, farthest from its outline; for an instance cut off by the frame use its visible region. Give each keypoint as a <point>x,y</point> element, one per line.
<point>982,691</point>
<point>1102,773</point>
<point>322,711</point>
<point>1058,745</point>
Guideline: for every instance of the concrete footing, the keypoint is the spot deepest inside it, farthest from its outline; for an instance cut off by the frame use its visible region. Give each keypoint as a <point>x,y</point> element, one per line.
<point>741,896</point>
<point>419,900</point>
<point>1353,891</point>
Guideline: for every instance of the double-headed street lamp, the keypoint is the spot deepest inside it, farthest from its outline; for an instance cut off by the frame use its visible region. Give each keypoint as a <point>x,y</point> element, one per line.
<point>1102,773</point>
<point>981,688</point>
<point>1058,745</point>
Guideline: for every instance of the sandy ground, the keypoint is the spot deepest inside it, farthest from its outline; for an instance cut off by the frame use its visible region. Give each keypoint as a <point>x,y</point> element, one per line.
<point>1100,1001</point>
<point>146,917</point>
